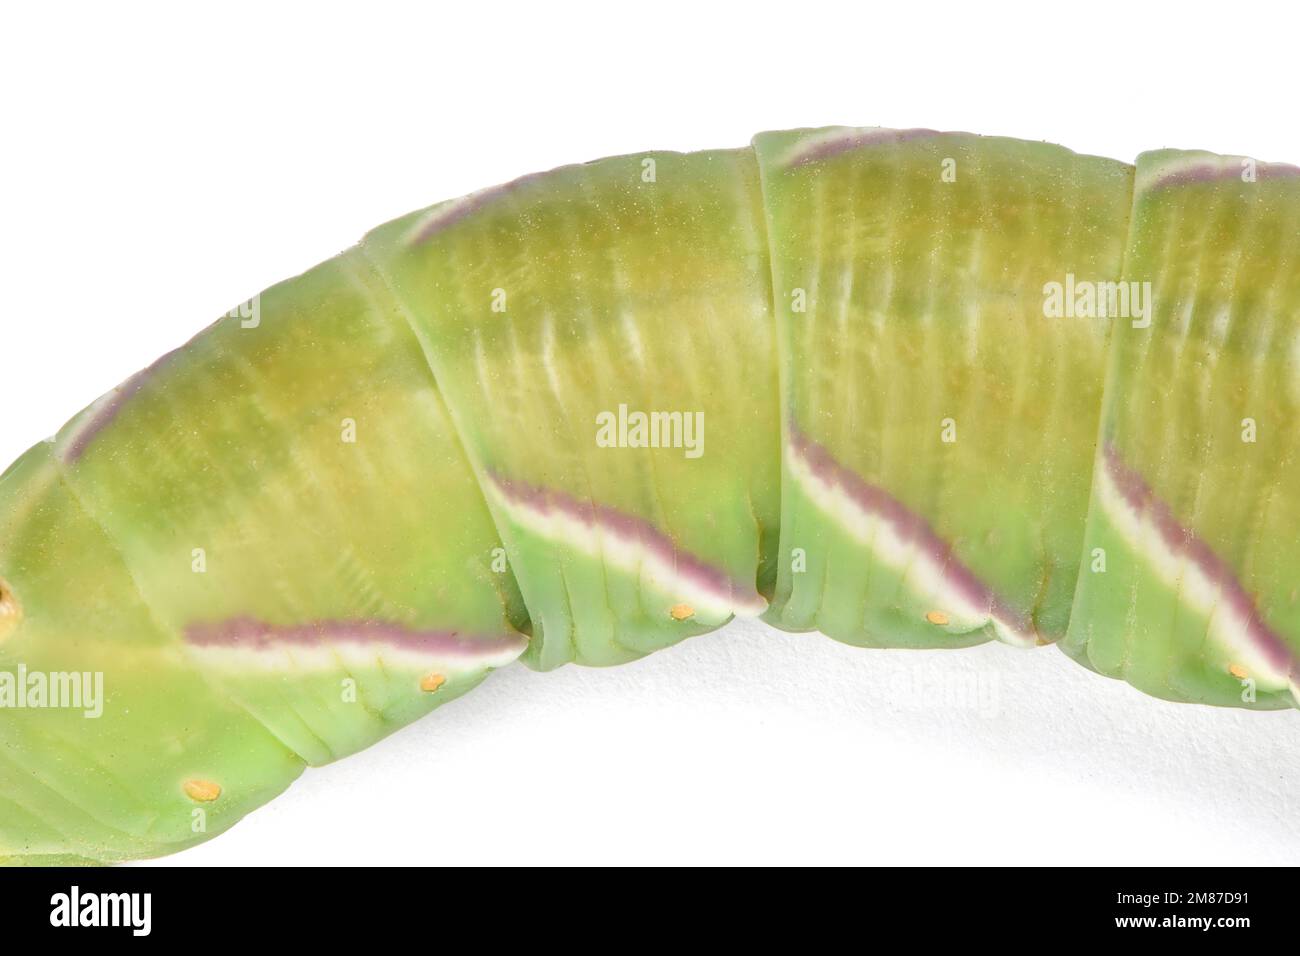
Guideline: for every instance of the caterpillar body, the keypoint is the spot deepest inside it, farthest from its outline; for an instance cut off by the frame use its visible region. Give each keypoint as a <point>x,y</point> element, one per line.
<point>906,388</point>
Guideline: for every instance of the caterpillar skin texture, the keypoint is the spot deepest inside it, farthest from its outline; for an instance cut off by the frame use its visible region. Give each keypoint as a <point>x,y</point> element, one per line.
<point>906,388</point>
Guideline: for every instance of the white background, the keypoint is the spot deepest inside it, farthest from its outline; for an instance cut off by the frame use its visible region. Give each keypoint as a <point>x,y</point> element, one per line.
<point>160,166</point>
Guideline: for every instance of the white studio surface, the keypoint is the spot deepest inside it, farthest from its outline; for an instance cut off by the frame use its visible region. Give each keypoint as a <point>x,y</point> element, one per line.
<point>163,164</point>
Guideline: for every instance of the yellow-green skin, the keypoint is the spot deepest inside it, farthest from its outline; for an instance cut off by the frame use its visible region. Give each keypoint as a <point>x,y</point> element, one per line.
<point>351,500</point>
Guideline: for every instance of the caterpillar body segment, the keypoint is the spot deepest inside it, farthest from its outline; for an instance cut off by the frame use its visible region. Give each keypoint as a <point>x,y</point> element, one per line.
<point>271,547</point>
<point>938,427</point>
<point>603,336</point>
<point>304,508</point>
<point>907,388</point>
<point>1195,500</point>
<point>103,779</point>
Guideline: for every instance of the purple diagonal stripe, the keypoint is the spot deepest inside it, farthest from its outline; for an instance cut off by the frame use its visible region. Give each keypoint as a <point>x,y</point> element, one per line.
<point>1211,171</point>
<point>819,148</point>
<point>909,526</point>
<point>252,634</point>
<point>450,213</point>
<point>108,408</point>
<point>1184,542</point>
<point>619,524</point>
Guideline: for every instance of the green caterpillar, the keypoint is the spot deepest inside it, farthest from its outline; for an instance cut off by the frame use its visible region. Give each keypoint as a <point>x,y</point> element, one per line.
<point>906,388</point>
